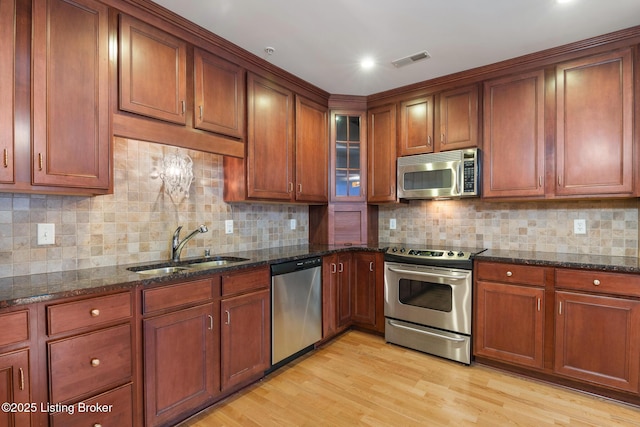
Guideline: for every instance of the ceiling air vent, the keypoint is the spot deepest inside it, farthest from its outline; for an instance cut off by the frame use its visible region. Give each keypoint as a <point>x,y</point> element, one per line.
<point>411,59</point>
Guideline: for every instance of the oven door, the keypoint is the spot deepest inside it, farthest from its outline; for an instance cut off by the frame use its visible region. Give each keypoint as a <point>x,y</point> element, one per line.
<point>430,296</point>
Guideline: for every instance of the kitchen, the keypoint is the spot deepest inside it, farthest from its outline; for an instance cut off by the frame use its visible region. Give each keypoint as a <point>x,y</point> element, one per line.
<point>135,223</point>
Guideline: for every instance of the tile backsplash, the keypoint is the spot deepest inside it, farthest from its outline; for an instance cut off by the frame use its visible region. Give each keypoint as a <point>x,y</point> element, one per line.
<point>135,224</point>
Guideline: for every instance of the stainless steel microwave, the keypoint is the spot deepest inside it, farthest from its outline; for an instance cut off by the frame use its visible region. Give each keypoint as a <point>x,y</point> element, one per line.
<point>449,174</point>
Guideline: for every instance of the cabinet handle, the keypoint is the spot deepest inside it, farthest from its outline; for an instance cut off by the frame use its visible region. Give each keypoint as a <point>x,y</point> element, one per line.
<point>509,274</point>
<point>442,138</point>
<point>97,425</point>
<point>371,266</point>
<point>21,378</point>
<point>540,181</point>
<point>6,158</point>
<point>596,282</point>
<point>228,317</point>
<point>183,107</point>
<point>538,304</point>
<point>210,322</point>
<point>341,267</point>
<point>290,187</point>
<point>560,308</point>
<point>201,112</point>
<point>95,362</point>
<point>95,312</point>
<point>39,161</point>
<point>429,140</point>
<point>334,269</point>
<point>559,181</point>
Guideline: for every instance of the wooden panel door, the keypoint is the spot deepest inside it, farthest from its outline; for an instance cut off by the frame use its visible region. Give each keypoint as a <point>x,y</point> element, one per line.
<point>364,289</point>
<point>598,339</point>
<point>344,290</point>
<point>510,323</point>
<point>153,71</point>
<point>312,152</point>
<point>594,122</point>
<point>15,387</point>
<point>181,356</point>
<point>381,165</point>
<point>7,66</point>
<point>219,95</point>
<point>270,140</point>
<point>71,131</point>
<point>416,126</point>
<point>245,337</point>
<point>458,124</point>
<point>514,136</point>
<point>329,296</point>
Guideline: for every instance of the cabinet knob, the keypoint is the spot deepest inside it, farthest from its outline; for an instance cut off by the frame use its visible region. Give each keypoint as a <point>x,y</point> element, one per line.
<point>509,274</point>
<point>95,312</point>
<point>97,425</point>
<point>596,282</point>
<point>95,362</point>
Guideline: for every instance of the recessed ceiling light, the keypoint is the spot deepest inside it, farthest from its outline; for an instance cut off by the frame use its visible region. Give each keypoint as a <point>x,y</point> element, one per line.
<point>367,63</point>
<point>563,1</point>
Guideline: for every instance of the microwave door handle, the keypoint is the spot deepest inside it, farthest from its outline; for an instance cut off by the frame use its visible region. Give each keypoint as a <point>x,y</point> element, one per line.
<point>458,179</point>
<point>425,273</point>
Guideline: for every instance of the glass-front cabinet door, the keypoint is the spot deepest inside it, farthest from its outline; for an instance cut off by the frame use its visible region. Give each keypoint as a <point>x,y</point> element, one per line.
<point>348,156</point>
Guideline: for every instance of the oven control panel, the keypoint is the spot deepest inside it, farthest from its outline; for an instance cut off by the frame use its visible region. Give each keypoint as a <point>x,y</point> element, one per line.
<point>447,254</point>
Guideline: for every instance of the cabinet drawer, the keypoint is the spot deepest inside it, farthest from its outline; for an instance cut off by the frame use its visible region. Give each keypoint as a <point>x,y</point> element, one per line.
<point>113,408</point>
<point>89,362</point>
<point>510,273</point>
<point>599,281</point>
<point>181,294</point>
<point>70,316</point>
<point>15,327</point>
<point>245,281</point>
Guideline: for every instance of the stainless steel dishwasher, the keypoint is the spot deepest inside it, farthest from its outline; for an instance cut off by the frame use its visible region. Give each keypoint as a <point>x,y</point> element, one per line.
<point>296,308</point>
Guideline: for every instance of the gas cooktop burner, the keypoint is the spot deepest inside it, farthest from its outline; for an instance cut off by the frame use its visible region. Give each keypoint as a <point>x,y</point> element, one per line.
<point>439,256</point>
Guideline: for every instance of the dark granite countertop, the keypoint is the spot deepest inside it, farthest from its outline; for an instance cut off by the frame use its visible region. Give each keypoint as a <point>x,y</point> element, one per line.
<point>49,286</point>
<point>582,261</point>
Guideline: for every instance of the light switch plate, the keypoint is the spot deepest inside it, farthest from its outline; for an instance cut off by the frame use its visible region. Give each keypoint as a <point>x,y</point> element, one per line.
<point>579,226</point>
<point>228,226</point>
<point>392,224</point>
<point>293,224</point>
<point>46,234</point>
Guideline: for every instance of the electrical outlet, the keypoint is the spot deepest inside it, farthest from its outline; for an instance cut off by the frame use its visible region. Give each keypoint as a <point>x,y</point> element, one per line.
<point>46,234</point>
<point>293,224</point>
<point>228,226</point>
<point>392,224</point>
<point>579,226</point>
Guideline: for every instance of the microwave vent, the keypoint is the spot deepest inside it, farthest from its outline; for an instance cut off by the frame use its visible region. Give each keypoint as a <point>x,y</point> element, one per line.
<point>407,60</point>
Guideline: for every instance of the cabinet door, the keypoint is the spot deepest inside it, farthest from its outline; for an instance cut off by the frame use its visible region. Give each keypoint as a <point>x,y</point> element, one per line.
<point>15,387</point>
<point>365,285</point>
<point>245,337</point>
<point>381,172</point>
<point>598,339</point>
<point>329,296</point>
<point>344,290</point>
<point>270,148</point>
<point>510,323</point>
<point>312,151</point>
<point>71,132</point>
<point>348,156</point>
<point>514,136</point>
<point>153,72</point>
<point>458,119</point>
<point>219,95</point>
<point>181,356</point>
<point>7,63</point>
<point>416,126</point>
<point>594,122</point>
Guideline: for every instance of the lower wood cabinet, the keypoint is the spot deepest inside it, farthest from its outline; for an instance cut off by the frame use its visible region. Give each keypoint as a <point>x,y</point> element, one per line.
<point>112,408</point>
<point>15,387</point>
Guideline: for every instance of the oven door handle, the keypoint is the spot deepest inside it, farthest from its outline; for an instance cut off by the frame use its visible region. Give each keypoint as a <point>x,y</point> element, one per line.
<point>431,334</point>
<point>424,273</point>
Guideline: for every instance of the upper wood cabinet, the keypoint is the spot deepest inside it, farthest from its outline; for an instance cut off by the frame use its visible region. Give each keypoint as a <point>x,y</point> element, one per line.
<point>7,65</point>
<point>153,71</point>
<point>381,154</point>
<point>219,95</point>
<point>348,156</point>
<point>458,124</point>
<point>513,140</point>
<point>416,126</point>
<point>594,121</point>
<point>71,130</point>
<point>312,151</point>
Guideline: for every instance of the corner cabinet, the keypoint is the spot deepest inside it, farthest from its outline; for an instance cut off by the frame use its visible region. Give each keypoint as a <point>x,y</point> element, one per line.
<point>7,66</point>
<point>153,71</point>
<point>594,120</point>
<point>381,154</point>
<point>71,124</point>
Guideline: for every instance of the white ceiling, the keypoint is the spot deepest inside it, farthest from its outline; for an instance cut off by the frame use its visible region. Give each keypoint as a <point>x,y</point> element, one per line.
<point>323,41</point>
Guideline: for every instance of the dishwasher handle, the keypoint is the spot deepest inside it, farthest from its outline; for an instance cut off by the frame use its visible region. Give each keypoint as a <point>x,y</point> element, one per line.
<point>296,265</point>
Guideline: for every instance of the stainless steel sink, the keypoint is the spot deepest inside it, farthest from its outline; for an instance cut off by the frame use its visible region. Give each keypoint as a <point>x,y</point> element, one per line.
<point>186,266</point>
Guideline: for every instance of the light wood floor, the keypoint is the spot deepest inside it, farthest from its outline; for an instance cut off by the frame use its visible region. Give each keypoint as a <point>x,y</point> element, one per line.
<point>359,380</point>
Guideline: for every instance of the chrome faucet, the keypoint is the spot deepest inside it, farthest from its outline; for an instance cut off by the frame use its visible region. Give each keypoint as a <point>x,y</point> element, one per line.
<point>177,245</point>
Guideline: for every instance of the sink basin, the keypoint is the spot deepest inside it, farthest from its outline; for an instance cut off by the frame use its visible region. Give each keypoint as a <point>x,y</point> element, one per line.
<point>161,270</point>
<point>184,266</point>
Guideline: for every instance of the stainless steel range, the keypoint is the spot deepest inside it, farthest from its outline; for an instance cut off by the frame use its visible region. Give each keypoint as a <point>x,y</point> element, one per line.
<point>428,300</point>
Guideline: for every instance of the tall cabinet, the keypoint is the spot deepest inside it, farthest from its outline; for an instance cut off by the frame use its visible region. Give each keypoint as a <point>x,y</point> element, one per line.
<point>7,64</point>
